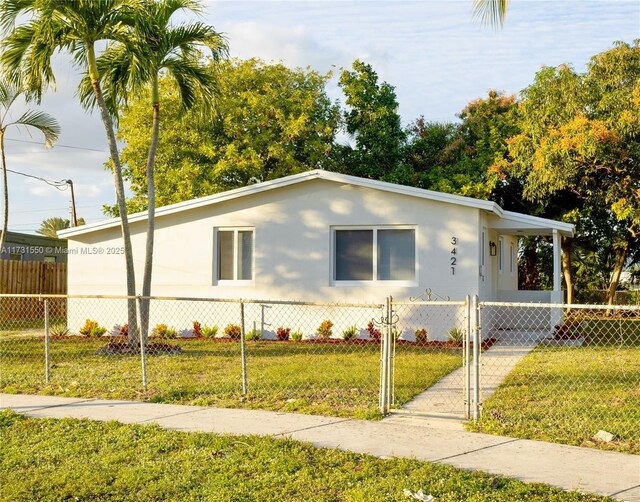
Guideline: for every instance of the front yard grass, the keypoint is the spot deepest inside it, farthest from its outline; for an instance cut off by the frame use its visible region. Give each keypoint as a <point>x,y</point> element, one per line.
<point>48,459</point>
<point>340,379</point>
<point>568,394</point>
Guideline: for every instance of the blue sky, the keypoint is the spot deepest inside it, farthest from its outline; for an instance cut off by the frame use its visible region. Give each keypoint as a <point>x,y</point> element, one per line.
<point>434,54</point>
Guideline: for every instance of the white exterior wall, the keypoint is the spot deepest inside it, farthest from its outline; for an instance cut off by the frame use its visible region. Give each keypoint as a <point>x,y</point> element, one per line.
<point>292,248</point>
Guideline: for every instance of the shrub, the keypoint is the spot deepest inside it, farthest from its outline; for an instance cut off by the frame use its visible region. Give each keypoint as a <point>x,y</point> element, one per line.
<point>283,333</point>
<point>324,330</point>
<point>350,333</point>
<point>58,330</point>
<point>456,335</point>
<point>296,336</point>
<point>421,335</point>
<point>197,329</point>
<point>171,333</point>
<point>233,331</point>
<point>254,334</point>
<point>124,330</point>
<point>374,332</point>
<point>160,330</point>
<point>91,328</point>
<point>209,332</point>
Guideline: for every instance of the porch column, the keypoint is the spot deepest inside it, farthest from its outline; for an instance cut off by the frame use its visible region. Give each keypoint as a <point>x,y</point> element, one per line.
<point>557,265</point>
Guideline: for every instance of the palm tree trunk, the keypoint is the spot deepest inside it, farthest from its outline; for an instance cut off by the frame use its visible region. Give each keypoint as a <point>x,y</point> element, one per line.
<point>5,194</point>
<point>120,197</point>
<point>151,211</point>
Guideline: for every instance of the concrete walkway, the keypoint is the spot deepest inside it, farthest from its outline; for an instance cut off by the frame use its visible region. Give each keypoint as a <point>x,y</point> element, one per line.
<point>567,467</point>
<point>442,405</point>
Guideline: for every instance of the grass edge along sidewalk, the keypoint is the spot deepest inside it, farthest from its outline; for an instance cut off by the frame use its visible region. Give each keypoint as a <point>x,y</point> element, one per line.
<point>567,467</point>
<point>47,459</point>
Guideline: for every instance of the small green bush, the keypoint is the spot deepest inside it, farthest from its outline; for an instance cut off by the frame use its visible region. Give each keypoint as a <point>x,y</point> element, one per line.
<point>233,331</point>
<point>58,329</point>
<point>350,333</point>
<point>421,335</point>
<point>324,330</point>
<point>171,333</point>
<point>456,335</point>
<point>160,330</point>
<point>296,336</point>
<point>254,335</point>
<point>91,328</point>
<point>209,331</point>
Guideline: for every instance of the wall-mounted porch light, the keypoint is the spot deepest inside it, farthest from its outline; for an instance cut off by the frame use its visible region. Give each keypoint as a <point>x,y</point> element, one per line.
<point>492,249</point>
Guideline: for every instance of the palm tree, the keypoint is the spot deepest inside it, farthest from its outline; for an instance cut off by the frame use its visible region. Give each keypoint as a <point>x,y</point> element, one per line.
<point>40,121</point>
<point>491,12</point>
<point>76,27</point>
<point>154,48</point>
<point>51,226</point>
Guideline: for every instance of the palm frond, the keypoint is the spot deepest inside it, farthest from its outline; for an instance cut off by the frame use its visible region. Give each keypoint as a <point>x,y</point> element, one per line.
<point>43,122</point>
<point>10,10</point>
<point>491,12</point>
<point>194,80</point>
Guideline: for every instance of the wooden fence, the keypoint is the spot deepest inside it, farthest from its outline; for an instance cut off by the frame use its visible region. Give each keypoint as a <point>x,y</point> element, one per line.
<point>30,278</point>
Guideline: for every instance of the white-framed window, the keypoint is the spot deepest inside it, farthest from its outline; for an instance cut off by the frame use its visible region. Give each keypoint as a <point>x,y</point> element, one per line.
<point>500,254</point>
<point>49,259</point>
<point>234,255</point>
<point>365,255</point>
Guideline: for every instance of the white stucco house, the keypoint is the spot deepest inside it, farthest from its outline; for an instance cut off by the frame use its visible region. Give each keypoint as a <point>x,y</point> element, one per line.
<point>319,236</point>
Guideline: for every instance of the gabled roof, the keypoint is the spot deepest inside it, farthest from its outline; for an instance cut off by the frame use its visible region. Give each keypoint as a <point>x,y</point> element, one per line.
<point>491,207</point>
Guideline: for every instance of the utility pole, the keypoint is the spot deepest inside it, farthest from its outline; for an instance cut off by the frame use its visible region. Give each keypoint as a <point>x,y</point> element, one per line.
<point>74,219</point>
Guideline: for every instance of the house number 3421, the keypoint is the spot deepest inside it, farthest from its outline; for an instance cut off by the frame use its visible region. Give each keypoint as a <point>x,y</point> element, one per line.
<point>454,252</point>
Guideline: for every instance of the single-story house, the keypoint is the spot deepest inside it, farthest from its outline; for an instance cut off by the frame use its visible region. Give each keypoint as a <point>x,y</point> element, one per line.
<point>319,236</point>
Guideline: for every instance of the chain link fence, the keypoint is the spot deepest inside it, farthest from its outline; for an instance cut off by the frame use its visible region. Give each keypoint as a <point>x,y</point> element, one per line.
<point>292,356</point>
<point>432,354</point>
<point>567,373</point>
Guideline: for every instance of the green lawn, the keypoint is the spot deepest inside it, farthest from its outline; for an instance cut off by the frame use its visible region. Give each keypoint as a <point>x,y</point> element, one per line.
<point>47,459</point>
<point>317,378</point>
<point>567,395</point>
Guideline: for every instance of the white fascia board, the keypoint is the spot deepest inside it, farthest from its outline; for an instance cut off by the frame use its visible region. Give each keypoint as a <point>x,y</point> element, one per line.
<point>287,181</point>
<point>535,221</point>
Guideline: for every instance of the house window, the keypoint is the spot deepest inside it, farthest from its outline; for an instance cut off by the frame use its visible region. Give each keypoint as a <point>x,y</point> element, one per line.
<point>374,254</point>
<point>49,259</point>
<point>500,254</point>
<point>15,256</point>
<point>234,254</point>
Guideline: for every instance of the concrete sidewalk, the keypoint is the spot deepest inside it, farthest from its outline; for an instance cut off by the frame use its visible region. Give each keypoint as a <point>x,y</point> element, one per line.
<point>568,467</point>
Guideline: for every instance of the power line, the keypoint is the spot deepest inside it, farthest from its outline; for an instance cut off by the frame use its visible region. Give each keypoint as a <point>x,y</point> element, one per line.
<point>57,145</point>
<point>61,185</point>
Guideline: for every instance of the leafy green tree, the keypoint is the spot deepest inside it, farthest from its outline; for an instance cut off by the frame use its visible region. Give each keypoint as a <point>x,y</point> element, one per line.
<point>372,120</point>
<point>459,158</point>
<point>580,135</point>
<point>269,121</point>
<point>157,46</point>
<point>51,226</point>
<point>37,120</point>
<point>38,29</point>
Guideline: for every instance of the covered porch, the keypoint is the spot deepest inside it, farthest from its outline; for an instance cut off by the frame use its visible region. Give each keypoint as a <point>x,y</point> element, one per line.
<point>512,226</point>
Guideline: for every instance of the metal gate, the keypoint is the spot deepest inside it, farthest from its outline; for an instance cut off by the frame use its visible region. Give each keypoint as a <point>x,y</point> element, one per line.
<point>430,358</point>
